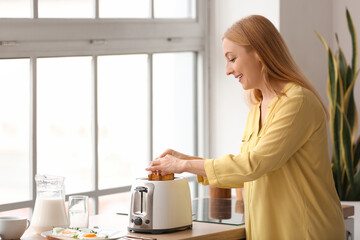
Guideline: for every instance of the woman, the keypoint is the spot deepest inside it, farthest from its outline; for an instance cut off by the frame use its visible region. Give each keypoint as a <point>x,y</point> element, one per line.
<point>283,163</point>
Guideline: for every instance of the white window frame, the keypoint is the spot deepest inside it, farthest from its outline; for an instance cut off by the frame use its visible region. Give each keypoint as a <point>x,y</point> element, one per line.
<point>35,38</point>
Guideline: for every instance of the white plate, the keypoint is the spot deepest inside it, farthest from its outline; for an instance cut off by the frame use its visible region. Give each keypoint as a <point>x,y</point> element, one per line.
<point>113,234</point>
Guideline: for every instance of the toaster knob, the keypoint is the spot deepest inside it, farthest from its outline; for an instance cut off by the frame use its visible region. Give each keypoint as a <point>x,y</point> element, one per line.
<point>138,221</point>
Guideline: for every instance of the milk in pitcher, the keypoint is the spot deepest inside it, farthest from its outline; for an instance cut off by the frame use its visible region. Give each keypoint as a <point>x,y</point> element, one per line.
<point>49,213</point>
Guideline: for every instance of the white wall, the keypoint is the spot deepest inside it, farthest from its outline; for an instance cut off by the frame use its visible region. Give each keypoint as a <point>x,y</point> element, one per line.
<point>228,110</point>
<point>298,21</point>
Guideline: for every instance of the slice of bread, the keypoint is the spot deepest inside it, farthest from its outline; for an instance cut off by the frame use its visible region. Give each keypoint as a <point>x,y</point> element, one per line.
<point>155,176</point>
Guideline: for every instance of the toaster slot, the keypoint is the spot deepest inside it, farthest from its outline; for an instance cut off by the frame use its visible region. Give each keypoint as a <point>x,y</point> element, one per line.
<point>140,200</point>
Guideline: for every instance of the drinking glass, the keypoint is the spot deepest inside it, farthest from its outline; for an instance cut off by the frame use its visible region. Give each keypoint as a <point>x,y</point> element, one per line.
<point>79,211</point>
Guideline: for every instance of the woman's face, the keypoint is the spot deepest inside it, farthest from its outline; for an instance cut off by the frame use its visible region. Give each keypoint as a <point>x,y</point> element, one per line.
<point>245,65</point>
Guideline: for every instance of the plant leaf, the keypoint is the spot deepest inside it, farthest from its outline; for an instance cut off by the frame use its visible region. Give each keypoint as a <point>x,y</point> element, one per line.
<point>343,70</point>
<point>357,154</point>
<point>346,148</point>
<point>349,106</point>
<point>322,40</point>
<point>335,125</point>
<point>353,40</point>
<point>333,83</point>
<point>337,180</point>
<point>354,195</point>
<point>352,116</point>
<point>339,89</point>
<point>349,77</point>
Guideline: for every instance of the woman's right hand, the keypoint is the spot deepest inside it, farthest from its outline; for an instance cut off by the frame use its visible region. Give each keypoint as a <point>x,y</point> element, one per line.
<point>171,161</point>
<point>174,153</point>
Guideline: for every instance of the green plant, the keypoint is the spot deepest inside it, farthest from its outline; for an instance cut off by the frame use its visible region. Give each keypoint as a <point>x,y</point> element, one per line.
<point>343,118</point>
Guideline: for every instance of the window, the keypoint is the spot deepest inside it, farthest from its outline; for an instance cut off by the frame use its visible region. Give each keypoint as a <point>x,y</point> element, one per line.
<point>173,101</point>
<point>14,130</point>
<point>64,120</point>
<point>99,91</point>
<point>122,118</point>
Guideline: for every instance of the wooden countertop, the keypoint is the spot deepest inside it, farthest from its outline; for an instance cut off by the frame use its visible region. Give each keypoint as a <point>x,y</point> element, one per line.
<point>200,230</point>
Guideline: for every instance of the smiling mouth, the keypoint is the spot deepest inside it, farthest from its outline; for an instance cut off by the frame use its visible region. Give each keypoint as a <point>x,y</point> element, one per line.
<point>240,77</point>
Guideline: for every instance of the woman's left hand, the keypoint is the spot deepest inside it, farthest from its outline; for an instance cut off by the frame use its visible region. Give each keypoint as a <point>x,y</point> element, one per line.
<point>167,164</point>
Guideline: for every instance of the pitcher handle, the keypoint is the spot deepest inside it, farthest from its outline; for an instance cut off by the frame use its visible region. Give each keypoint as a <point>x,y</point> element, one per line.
<point>27,224</point>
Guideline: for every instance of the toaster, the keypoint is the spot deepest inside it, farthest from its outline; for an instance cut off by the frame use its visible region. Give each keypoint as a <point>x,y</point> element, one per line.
<point>160,206</point>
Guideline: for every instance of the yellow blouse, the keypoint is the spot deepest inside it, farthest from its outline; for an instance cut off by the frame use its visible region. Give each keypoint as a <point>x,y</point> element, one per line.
<point>285,170</point>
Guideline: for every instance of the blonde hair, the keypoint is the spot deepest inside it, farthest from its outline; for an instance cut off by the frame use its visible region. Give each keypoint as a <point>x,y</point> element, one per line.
<point>258,33</point>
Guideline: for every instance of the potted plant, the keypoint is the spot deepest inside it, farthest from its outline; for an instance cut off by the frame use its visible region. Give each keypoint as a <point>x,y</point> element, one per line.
<point>344,120</point>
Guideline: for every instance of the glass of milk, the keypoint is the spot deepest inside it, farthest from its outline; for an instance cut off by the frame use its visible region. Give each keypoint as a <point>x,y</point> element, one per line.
<point>49,210</point>
<point>79,211</point>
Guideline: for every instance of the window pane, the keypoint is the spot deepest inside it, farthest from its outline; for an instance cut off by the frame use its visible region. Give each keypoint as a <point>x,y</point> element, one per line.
<point>174,8</point>
<point>114,203</point>
<point>64,120</point>
<point>124,8</point>
<point>66,8</point>
<point>15,9</point>
<point>14,130</point>
<point>122,119</point>
<point>173,102</point>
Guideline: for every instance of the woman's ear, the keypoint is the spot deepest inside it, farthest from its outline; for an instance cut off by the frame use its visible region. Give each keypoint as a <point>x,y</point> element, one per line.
<point>257,56</point>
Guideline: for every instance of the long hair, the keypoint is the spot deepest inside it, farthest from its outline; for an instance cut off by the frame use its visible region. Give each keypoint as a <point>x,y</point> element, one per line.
<point>258,33</point>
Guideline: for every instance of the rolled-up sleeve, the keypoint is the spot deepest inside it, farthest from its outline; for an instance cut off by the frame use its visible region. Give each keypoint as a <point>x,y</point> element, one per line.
<point>203,180</point>
<point>289,129</point>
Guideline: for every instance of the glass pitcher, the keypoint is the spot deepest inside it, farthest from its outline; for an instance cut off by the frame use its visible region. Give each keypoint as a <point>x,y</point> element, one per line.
<point>49,210</point>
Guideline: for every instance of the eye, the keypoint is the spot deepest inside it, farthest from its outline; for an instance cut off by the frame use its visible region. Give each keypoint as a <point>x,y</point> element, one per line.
<point>232,60</point>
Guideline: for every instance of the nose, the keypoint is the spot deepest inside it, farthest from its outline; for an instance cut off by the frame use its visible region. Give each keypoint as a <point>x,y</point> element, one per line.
<point>228,69</point>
